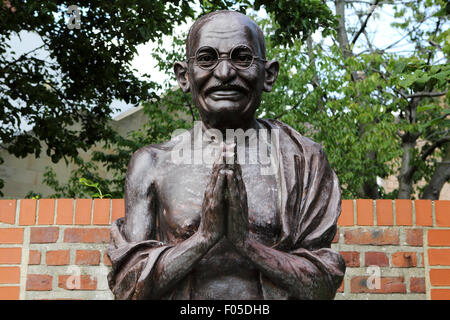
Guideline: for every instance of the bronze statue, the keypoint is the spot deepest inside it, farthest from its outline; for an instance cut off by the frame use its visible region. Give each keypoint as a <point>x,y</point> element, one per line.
<point>229,230</point>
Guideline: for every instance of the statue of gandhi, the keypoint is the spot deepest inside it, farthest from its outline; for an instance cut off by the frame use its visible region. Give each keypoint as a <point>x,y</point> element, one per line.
<point>228,229</point>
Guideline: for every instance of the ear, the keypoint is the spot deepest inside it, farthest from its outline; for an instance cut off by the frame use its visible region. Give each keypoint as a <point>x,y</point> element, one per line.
<point>181,74</point>
<point>271,73</point>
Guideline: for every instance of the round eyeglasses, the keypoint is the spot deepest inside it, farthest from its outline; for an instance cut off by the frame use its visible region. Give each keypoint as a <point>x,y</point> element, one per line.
<point>241,57</point>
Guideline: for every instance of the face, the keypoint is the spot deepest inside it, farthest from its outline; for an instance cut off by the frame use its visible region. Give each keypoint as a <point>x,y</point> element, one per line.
<point>227,95</point>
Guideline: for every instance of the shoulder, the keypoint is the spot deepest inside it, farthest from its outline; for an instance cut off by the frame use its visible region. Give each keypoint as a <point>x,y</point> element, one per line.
<point>307,146</point>
<point>145,163</point>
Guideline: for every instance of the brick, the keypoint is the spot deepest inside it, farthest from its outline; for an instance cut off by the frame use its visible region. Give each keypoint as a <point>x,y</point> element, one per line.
<point>34,257</point>
<point>9,293</point>
<point>417,285</point>
<point>422,259</point>
<point>440,277</point>
<point>364,212</point>
<point>118,209</point>
<point>384,213</point>
<point>8,211</point>
<point>106,260</point>
<point>11,235</point>
<point>403,209</point>
<point>404,259</point>
<point>86,235</point>
<point>346,217</point>
<point>371,236</point>
<point>101,211</point>
<point>46,213</point>
<point>440,294</point>
<point>82,282</point>
<point>439,257</point>
<point>44,234</point>
<point>414,237</point>
<point>387,285</point>
<point>57,257</point>
<point>83,211</point>
<point>64,214</point>
<point>9,275</point>
<point>10,255</point>
<point>423,213</point>
<point>27,214</point>
<point>336,236</point>
<point>88,257</point>
<point>372,258</point>
<point>39,282</point>
<point>442,211</point>
<point>439,237</point>
<point>351,258</point>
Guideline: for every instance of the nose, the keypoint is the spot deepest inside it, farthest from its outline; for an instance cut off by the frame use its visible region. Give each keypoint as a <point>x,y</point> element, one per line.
<point>224,71</point>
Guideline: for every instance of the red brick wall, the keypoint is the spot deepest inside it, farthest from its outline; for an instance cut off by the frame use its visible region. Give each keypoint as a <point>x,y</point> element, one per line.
<point>55,249</point>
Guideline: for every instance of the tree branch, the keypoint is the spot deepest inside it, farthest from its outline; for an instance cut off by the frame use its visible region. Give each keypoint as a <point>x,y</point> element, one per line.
<point>430,53</point>
<point>427,94</point>
<point>363,26</point>
<point>434,146</point>
<point>285,111</point>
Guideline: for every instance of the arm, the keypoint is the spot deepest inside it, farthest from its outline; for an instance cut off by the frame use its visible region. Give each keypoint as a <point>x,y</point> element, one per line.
<point>302,273</point>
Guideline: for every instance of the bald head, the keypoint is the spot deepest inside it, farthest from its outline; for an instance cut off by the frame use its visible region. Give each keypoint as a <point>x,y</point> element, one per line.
<point>226,15</point>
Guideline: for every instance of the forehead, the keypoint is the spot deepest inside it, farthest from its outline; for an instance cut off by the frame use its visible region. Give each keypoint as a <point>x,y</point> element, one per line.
<point>226,31</point>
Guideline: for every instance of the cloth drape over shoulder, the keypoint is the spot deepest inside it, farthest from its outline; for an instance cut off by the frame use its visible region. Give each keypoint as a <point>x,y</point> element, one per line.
<point>310,204</point>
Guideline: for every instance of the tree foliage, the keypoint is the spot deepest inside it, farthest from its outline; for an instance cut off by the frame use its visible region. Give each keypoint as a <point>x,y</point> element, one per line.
<point>377,111</point>
<point>66,97</point>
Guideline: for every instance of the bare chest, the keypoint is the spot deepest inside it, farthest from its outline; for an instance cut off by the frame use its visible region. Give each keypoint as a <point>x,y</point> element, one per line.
<point>181,196</point>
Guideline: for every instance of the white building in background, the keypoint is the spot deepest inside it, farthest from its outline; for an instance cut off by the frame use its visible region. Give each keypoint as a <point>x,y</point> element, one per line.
<point>22,175</point>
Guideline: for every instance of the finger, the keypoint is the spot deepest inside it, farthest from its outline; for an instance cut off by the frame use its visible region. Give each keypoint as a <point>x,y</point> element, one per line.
<point>219,188</point>
<point>241,196</point>
<point>234,202</point>
<point>241,186</point>
<point>212,183</point>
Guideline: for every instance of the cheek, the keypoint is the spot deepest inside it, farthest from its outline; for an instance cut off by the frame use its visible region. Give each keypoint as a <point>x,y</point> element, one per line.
<point>198,81</point>
<point>253,77</point>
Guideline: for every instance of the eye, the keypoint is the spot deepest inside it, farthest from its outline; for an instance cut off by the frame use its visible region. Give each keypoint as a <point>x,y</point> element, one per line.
<point>206,57</point>
<point>242,57</point>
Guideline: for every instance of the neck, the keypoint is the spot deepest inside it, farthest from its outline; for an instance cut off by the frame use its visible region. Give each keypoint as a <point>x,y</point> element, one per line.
<point>223,126</point>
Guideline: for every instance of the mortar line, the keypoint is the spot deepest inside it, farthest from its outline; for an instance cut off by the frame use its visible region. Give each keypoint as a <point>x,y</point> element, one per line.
<point>17,214</point>
<point>74,203</point>
<point>24,263</point>
<point>55,212</point>
<point>37,213</point>
<point>433,214</point>
<point>425,264</point>
<point>92,212</point>
<point>110,211</point>
<point>374,209</point>
<point>394,213</point>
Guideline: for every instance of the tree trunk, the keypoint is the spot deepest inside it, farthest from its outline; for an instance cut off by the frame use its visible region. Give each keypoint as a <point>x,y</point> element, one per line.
<point>342,31</point>
<point>440,176</point>
<point>368,189</point>
<point>406,171</point>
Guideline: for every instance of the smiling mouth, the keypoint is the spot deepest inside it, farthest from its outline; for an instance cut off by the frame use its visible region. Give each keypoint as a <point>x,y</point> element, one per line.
<point>226,94</point>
